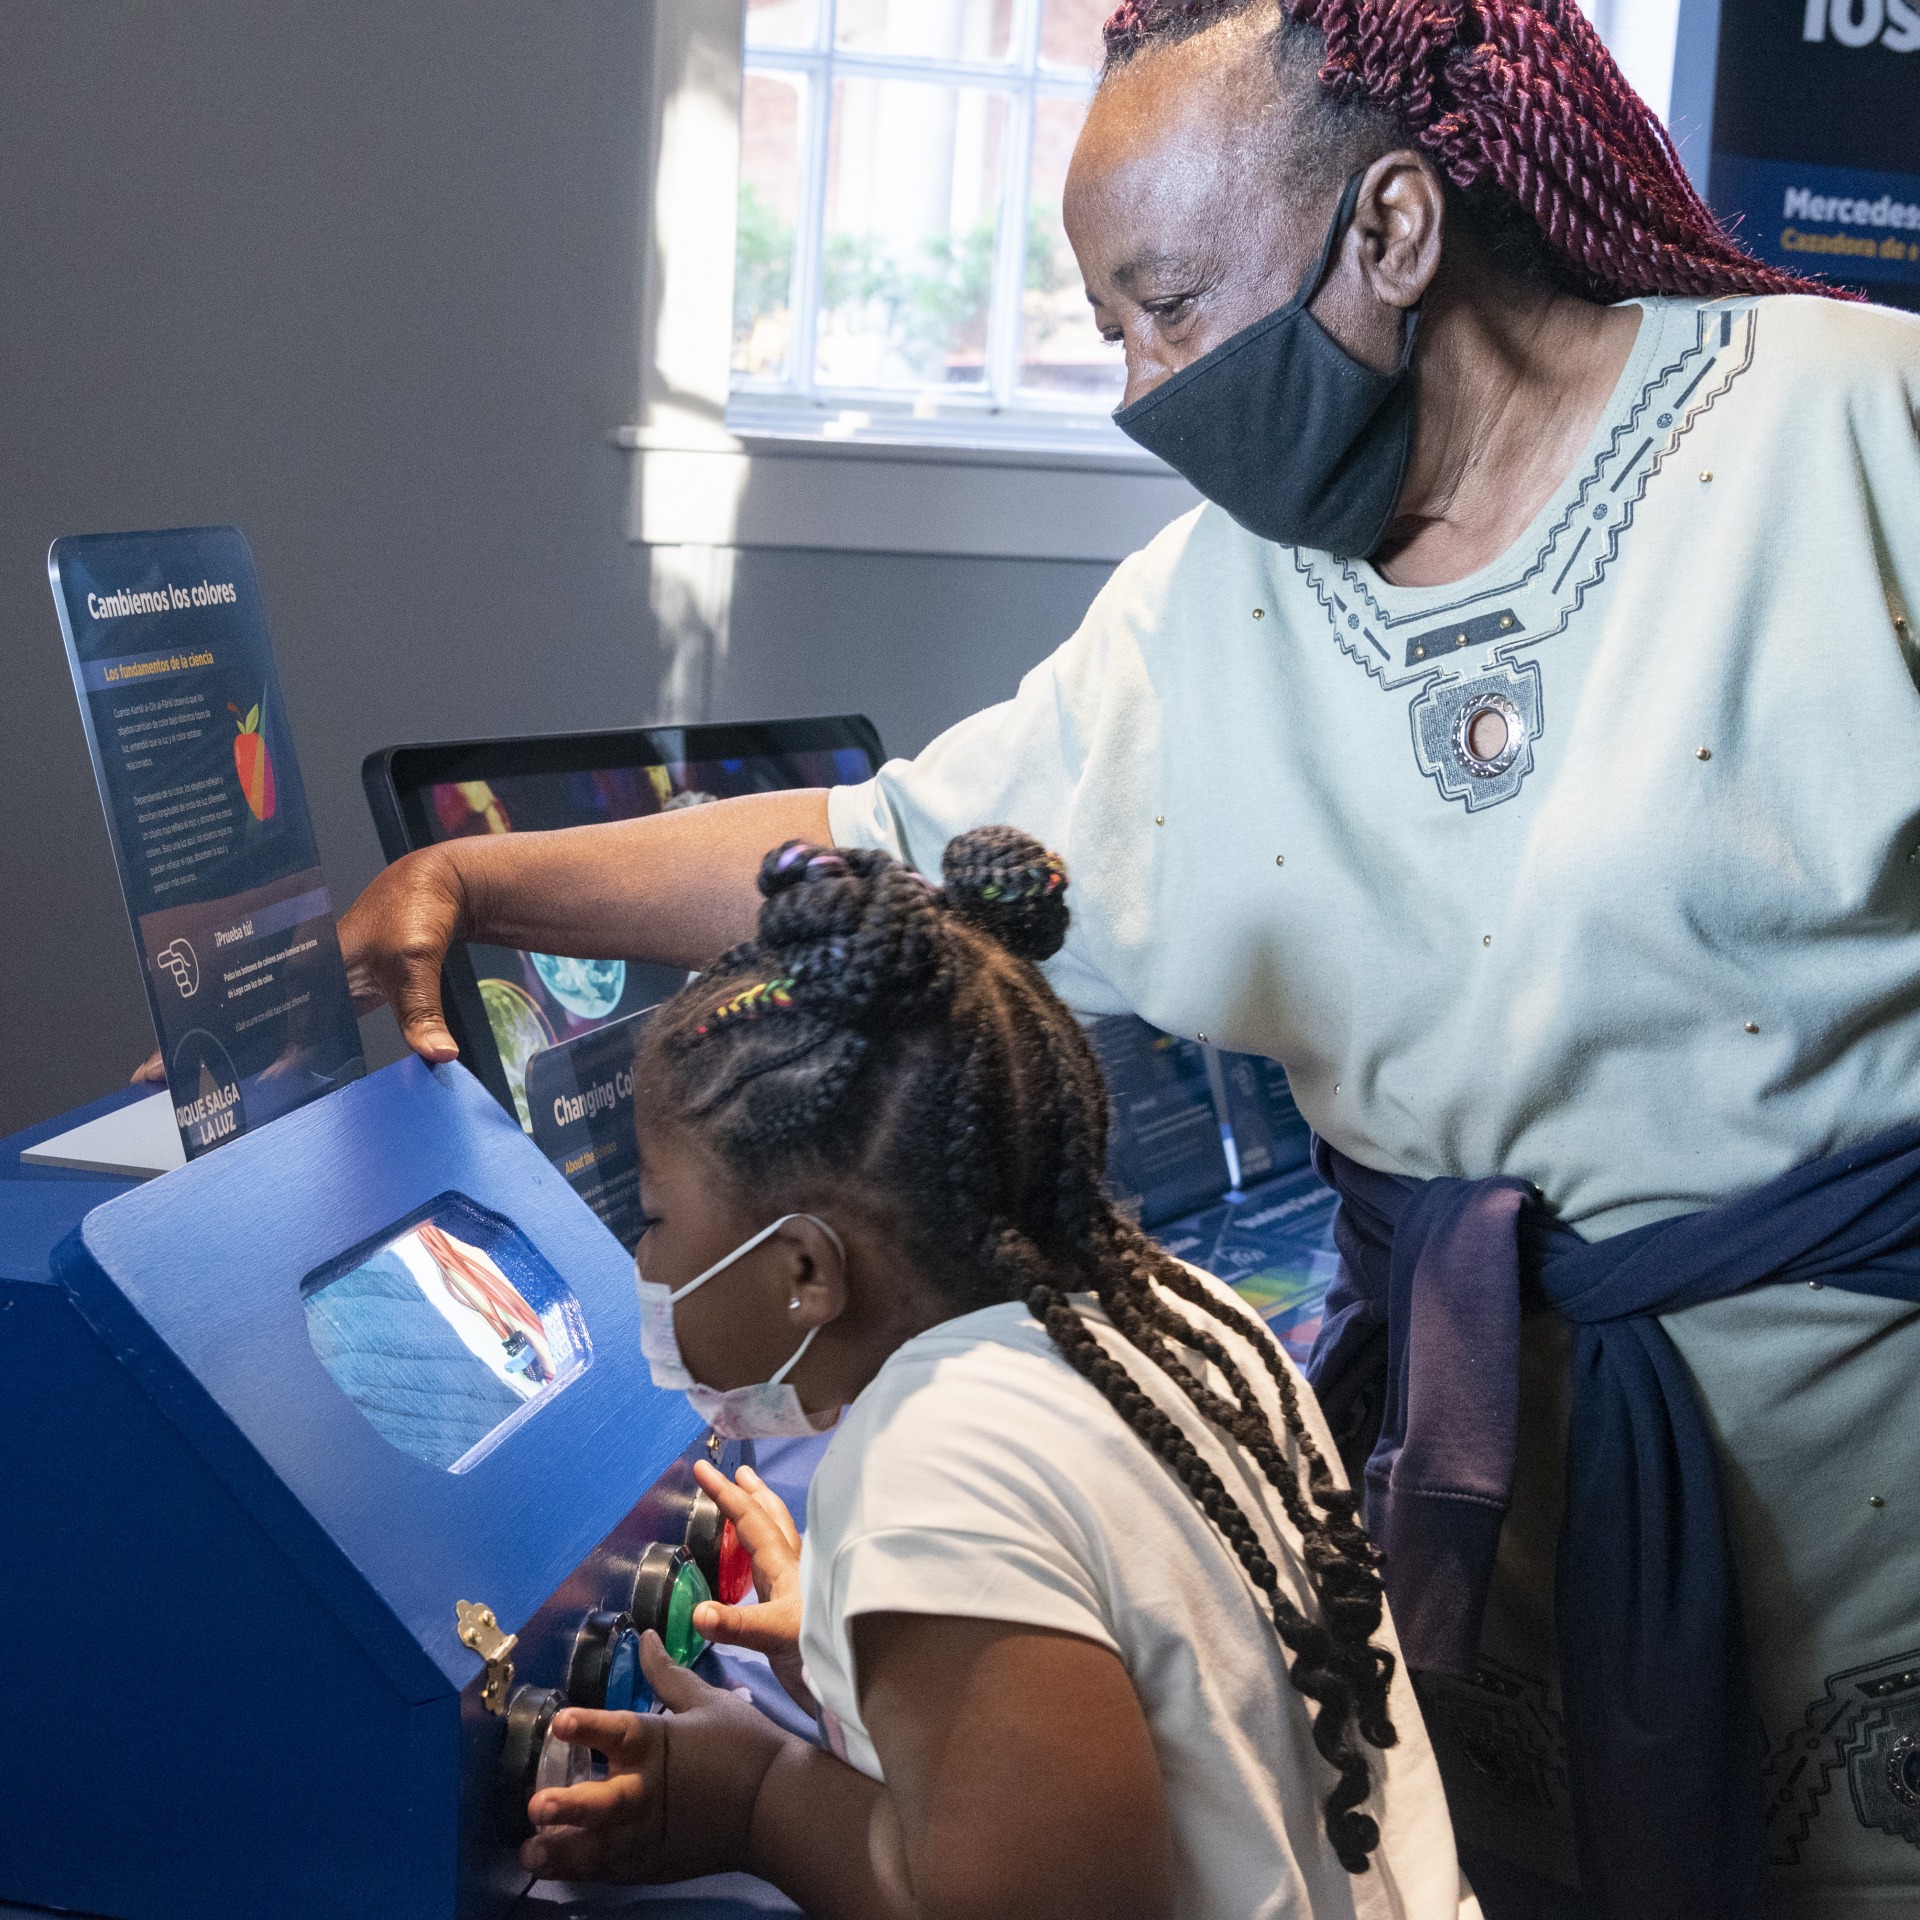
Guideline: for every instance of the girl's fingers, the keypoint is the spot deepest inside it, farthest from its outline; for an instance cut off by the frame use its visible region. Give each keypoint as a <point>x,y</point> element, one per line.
<point>771,1627</point>
<point>625,1738</point>
<point>736,1502</point>
<point>614,1801</point>
<point>572,1853</point>
<point>674,1687</point>
<point>770,1503</point>
<point>772,1548</point>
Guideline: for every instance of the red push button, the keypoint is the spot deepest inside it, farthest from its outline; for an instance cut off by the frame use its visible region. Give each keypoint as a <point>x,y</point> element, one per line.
<point>736,1569</point>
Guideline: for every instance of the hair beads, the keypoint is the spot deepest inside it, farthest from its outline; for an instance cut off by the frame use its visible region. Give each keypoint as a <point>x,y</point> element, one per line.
<point>915,1051</point>
<point>1518,99</point>
<point>749,1001</point>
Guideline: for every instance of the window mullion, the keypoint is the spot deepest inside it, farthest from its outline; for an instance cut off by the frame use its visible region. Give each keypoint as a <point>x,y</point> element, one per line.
<point>1024,36</point>
<point>810,229</point>
<point>1010,252</point>
<point>927,67</point>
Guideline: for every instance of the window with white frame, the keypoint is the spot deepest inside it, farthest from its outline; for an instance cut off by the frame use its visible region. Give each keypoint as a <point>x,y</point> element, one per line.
<point>901,268</point>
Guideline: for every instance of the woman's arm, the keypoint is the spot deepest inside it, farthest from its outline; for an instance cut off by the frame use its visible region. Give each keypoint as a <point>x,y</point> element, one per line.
<point>675,887</point>
<point>1021,1785</point>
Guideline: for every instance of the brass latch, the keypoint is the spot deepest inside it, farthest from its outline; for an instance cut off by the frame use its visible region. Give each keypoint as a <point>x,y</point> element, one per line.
<point>480,1632</point>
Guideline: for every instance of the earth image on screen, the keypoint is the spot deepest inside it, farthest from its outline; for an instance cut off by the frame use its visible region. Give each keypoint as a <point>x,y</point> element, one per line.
<point>520,1031</point>
<point>590,988</point>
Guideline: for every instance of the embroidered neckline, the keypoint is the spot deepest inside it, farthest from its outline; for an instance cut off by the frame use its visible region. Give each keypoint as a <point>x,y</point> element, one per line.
<point>1535,599</point>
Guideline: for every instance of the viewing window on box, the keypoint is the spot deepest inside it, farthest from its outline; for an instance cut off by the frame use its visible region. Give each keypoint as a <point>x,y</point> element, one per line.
<point>902,270</point>
<point>447,1332</point>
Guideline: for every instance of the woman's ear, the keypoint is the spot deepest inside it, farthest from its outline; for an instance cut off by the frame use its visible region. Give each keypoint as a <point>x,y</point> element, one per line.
<point>1399,223</point>
<point>813,1267</point>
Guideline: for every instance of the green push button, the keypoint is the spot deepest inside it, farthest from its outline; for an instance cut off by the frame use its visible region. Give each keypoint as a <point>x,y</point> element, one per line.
<point>689,1589</point>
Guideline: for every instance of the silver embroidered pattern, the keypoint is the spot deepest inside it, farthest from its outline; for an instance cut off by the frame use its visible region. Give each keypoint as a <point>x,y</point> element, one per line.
<point>1497,622</point>
<point>1445,733</point>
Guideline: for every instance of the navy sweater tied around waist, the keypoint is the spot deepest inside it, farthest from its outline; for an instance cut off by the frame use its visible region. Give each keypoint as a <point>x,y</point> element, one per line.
<point>1418,1363</point>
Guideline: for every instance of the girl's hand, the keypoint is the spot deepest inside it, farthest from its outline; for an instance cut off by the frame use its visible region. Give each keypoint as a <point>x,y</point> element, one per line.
<point>679,1794</point>
<point>765,1528</point>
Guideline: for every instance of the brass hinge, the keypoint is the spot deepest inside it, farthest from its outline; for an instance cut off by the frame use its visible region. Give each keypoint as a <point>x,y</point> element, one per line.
<point>480,1632</point>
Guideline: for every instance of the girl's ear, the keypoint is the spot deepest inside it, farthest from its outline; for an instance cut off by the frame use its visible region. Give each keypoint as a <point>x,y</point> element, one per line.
<point>814,1268</point>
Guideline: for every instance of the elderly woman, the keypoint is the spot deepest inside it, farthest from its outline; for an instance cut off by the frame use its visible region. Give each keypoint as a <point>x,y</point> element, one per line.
<point>1523,746</point>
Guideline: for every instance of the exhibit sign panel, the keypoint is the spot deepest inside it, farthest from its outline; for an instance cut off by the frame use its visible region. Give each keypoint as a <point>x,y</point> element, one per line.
<point>1815,133</point>
<point>580,1095</point>
<point>167,640</point>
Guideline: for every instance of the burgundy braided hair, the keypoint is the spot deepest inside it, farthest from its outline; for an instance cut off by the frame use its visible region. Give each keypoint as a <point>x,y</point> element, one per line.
<point>915,1057</point>
<point>1516,101</point>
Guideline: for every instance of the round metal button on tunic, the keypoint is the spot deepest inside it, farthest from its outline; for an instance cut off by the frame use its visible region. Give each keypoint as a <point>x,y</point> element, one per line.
<point>1488,735</point>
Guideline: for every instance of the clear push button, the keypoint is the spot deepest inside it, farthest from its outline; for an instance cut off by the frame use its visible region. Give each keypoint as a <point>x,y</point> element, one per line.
<point>533,1759</point>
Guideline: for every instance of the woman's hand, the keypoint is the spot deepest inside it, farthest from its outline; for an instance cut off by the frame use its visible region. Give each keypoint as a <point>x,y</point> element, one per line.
<point>394,938</point>
<point>765,1528</point>
<point>679,1794</point>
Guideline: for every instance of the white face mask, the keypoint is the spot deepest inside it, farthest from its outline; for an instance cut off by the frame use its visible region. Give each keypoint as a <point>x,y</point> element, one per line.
<point>770,1411</point>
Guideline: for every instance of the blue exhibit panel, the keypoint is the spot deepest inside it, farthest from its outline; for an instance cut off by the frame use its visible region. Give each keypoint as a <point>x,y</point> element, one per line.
<point>1180,1130</point>
<point>230,1594</point>
<point>1165,1153</point>
<point>1269,1136</point>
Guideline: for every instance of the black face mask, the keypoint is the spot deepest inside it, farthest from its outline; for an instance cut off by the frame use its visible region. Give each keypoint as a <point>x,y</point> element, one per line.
<point>1283,428</point>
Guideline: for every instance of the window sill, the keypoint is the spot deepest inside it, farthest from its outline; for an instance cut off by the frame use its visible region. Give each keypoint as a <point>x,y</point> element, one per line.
<point>877,494</point>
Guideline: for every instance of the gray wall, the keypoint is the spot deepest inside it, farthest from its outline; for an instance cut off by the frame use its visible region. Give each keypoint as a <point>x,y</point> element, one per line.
<point>915,641</point>
<point>361,278</point>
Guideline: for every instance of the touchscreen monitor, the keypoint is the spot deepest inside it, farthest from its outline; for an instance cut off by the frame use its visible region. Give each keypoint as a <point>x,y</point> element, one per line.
<point>551,1035</point>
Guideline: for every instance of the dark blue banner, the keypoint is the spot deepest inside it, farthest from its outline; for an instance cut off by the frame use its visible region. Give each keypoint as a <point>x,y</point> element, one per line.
<point>167,639</point>
<point>1842,222</point>
<point>1814,137</point>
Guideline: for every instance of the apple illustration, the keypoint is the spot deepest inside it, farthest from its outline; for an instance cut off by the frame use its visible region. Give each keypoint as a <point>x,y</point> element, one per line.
<point>255,764</point>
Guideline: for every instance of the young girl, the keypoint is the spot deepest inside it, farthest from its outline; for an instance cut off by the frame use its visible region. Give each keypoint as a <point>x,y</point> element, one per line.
<point>1091,1624</point>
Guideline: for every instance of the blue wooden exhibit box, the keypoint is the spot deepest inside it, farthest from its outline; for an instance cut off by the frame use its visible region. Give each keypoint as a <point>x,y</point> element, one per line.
<point>287,1408</point>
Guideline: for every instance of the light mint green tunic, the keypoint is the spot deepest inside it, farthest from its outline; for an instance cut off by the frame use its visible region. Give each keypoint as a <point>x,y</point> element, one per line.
<point>1647,936</point>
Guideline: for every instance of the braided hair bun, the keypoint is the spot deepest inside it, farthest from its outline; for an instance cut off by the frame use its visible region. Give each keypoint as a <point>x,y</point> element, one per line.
<point>859,936</point>
<point>865,941</point>
<point>855,952</point>
<point>1006,884</point>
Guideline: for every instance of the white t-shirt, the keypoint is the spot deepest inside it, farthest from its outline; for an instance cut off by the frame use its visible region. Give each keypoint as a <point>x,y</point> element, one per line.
<point>1667,950</point>
<point>980,1476</point>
